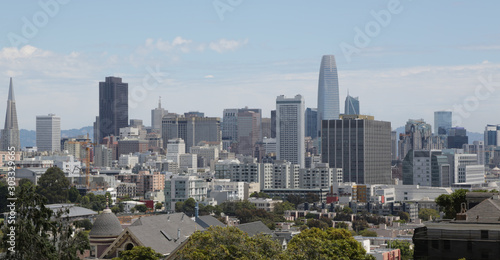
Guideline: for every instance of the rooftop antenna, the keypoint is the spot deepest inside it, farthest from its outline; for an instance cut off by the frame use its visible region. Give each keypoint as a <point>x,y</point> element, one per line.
<point>159,102</point>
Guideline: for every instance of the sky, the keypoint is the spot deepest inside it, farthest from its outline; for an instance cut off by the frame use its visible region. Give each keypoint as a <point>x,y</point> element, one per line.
<point>403,59</point>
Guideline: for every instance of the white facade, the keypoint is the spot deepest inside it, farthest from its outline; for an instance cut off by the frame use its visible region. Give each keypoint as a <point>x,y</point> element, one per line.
<point>476,148</point>
<point>265,204</point>
<point>176,146</point>
<point>48,133</point>
<point>210,153</point>
<point>270,145</point>
<point>129,132</point>
<point>320,177</point>
<point>290,129</point>
<point>467,170</point>
<point>181,188</point>
<point>188,161</point>
<point>285,175</point>
<point>234,190</point>
<point>128,160</point>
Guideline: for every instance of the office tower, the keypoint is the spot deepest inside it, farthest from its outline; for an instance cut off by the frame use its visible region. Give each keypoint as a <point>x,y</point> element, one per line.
<point>266,127</point>
<point>491,135</point>
<point>328,90</point>
<point>48,133</point>
<point>361,146</point>
<point>249,130</point>
<point>351,105</point>
<point>10,132</point>
<point>290,127</point>
<point>394,145</point>
<point>457,137</point>
<point>192,130</point>
<point>311,118</point>
<point>156,115</point>
<point>229,125</point>
<point>113,107</point>
<point>442,122</point>
<point>417,136</point>
<point>273,123</point>
<point>466,169</point>
<point>426,168</point>
<point>477,147</point>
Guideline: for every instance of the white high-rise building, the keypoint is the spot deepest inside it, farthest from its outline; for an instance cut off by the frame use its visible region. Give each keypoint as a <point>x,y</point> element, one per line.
<point>48,133</point>
<point>290,127</point>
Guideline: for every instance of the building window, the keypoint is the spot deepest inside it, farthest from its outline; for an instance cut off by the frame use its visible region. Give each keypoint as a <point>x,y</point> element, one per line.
<point>484,234</point>
<point>446,244</point>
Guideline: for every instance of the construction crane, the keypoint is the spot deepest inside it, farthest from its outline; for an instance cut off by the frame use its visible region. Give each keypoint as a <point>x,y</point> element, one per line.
<point>87,145</point>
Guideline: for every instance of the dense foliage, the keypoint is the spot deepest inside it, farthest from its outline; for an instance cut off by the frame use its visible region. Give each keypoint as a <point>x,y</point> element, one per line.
<point>54,186</point>
<point>451,204</point>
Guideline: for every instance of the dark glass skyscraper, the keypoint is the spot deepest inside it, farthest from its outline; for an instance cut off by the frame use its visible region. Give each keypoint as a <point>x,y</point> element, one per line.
<point>328,90</point>
<point>113,107</point>
<point>311,122</point>
<point>351,105</point>
<point>10,132</point>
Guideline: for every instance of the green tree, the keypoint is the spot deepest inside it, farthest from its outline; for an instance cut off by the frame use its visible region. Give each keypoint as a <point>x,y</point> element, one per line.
<point>404,246</point>
<point>139,253</point>
<point>359,225</point>
<point>141,208</point>
<point>331,243</point>
<point>341,224</point>
<point>368,233</point>
<point>158,206</point>
<point>404,216</point>
<point>451,204</point>
<point>40,232</point>
<point>295,199</point>
<point>314,223</point>
<point>259,195</point>
<point>73,194</point>
<point>427,214</point>
<point>54,186</point>
<point>229,243</point>
<point>311,197</point>
<point>84,223</point>
<point>280,208</point>
<point>347,210</point>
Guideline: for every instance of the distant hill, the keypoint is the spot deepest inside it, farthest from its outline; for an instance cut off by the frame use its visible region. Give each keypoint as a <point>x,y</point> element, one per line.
<point>28,137</point>
<point>473,136</point>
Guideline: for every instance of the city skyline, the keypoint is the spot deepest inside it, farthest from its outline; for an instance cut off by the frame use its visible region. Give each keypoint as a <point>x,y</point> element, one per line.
<point>230,63</point>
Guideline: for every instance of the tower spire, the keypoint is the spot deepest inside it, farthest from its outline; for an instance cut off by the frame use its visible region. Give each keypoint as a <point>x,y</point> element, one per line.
<point>159,102</point>
<point>10,133</point>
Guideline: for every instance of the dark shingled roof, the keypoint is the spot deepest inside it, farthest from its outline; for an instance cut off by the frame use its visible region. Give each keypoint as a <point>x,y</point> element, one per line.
<point>160,232</point>
<point>487,211</point>
<point>106,224</point>
<point>207,221</point>
<point>254,228</point>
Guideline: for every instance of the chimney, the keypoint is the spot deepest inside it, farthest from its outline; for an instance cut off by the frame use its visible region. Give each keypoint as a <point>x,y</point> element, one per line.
<point>178,233</point>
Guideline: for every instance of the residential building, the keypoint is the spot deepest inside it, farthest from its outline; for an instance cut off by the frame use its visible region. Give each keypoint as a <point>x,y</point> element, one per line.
<point>182,187</point>
<point>321,176</point>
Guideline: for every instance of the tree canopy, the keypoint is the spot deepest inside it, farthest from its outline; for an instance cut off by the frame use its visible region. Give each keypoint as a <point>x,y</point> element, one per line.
<point>33,224</point>
<point>427,214</point>
<point>451,204</point>
<point>331,243</point>
<point>404,246</point>
<point>54,186</point>
<point>139,253</point>
<point>229,243</point>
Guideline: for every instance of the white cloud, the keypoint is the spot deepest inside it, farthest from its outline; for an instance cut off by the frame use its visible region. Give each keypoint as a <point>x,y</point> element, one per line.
<point>209,76</point>
<point>223,45</point>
